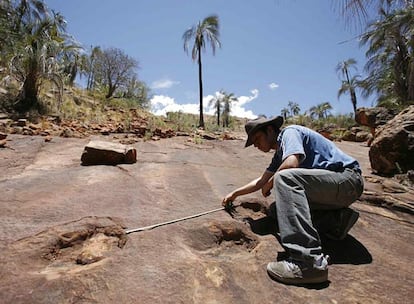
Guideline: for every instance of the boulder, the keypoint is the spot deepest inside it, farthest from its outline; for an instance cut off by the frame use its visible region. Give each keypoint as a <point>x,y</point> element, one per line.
<point>349,136</point>
<point>373,117</point>
<point>392,150</point>
<point>108,153</point>
<point>21,122</point>
<point>362,136</point>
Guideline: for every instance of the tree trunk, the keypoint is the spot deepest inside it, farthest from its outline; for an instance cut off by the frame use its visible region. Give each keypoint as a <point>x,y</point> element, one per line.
<point>73,73</point>
<point>111,90</point>
<point>410,79</point>
<point>27,98</point>
<point>353,99</point>
<point>218,113</point>
<point>200,83</point>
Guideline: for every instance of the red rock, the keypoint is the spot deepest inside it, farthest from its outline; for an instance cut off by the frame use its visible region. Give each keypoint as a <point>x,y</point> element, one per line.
<point>392,150</point>
<point>60,242</point>
<point>21,122</point>
<point>108,153</point>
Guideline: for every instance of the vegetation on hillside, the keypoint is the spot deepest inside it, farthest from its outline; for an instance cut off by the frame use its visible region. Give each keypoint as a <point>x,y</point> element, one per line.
<point>37,52</point>
<point>40,61</point>
<point>390,52</point>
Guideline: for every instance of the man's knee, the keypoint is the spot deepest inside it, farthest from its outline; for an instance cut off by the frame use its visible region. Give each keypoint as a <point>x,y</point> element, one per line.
<point>286,176</point>
<point>285,173</point>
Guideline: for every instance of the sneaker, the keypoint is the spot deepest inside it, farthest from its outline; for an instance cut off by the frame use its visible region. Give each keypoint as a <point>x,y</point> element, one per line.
<point>345,220</point>
<point>296,272</point>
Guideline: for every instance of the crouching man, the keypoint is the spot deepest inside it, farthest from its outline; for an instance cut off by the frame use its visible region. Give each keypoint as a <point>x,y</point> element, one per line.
<point>309,175</point>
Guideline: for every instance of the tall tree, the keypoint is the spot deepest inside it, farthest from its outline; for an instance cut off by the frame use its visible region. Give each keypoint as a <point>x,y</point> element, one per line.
<point>89,66</point>
<point>137,92</point>
<point>321,110</point>
<point>205,32</point>
<point>228,99</point>
<point>358,10</point>
<point>114,69</point>
<point>217,102</point>
<point>390,56</point>
<point>285,112</point>
<point>7,34</point>
<point>294,108</point>
<point>349,83</point>
<point>42,41</point>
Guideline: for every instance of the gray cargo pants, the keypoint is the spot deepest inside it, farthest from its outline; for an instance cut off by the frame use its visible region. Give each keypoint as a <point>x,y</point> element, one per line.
<point>298,191</point>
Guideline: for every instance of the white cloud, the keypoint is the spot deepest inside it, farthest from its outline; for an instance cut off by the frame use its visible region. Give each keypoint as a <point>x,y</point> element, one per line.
<point>163,84</point>
<point>161,105</point>
<point>242,100</point>
<point>273,86</point>
<point>237,107</point>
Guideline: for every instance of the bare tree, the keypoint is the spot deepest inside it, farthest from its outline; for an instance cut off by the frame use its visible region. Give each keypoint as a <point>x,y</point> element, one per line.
<point>115,69</point>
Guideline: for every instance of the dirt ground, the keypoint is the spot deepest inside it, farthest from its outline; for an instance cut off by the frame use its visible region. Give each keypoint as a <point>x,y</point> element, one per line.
<point>62,230</point>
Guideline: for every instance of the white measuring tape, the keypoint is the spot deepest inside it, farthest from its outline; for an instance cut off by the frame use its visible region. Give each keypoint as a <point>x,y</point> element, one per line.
<point>173,221</point>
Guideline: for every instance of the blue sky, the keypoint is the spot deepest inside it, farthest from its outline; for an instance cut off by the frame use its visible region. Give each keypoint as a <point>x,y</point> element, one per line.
<point>273,51</point>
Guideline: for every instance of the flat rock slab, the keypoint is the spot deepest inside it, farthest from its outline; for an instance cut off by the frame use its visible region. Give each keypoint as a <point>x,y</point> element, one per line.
<point>108,153</point>
<point>62,230</point>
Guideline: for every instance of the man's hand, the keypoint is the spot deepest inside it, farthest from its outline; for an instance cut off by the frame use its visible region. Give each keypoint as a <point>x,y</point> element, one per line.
<point>228,199</point>
<point>266,189</point>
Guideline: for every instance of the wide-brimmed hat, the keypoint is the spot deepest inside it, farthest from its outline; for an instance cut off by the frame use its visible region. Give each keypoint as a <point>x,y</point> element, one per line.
<point>256,124</point>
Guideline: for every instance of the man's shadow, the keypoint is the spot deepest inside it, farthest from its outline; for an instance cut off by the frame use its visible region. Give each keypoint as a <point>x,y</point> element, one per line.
<point>346,251</point>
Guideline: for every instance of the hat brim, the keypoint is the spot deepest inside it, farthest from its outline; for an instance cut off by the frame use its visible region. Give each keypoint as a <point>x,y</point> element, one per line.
<point>277,122</point>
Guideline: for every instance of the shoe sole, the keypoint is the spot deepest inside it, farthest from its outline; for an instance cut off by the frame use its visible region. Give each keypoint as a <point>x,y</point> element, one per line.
<point>299,281</point>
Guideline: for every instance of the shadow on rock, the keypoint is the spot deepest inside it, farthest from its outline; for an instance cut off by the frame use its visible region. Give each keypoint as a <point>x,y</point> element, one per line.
<point>263,226</point>
<point>346,251</point>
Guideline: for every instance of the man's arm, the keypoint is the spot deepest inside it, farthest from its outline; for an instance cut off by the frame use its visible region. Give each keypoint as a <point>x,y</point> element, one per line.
<point>292,161</point>
<point>250,187</point>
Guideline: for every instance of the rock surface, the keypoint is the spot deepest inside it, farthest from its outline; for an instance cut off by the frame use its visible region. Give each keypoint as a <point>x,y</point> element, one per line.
<point>62,224</point>
<point>392,150</point>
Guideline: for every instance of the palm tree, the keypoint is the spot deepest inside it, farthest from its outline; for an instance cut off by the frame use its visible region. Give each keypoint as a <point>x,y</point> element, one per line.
<point>7,33</point>
<point>350,83</point>
<point>37,58</point>
<point>326,108</point>
<point>35,49</point>
<point>285,112</point>
<point>217,102</point>
<point>321,110</point>
<point>358,9</point>
<point>227,101</point>
<point>391,56</point>
<point>206,31</point>
<point>294,108</point>
<point>88,66</point>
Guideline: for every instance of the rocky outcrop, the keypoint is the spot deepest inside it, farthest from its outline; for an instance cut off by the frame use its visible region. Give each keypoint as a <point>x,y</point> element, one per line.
<point>392,150</point>
<point>108,153</point>
<point>133,123</point>
<point>373,117</point>
<point>355,134</point>
<point>3,140</point>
